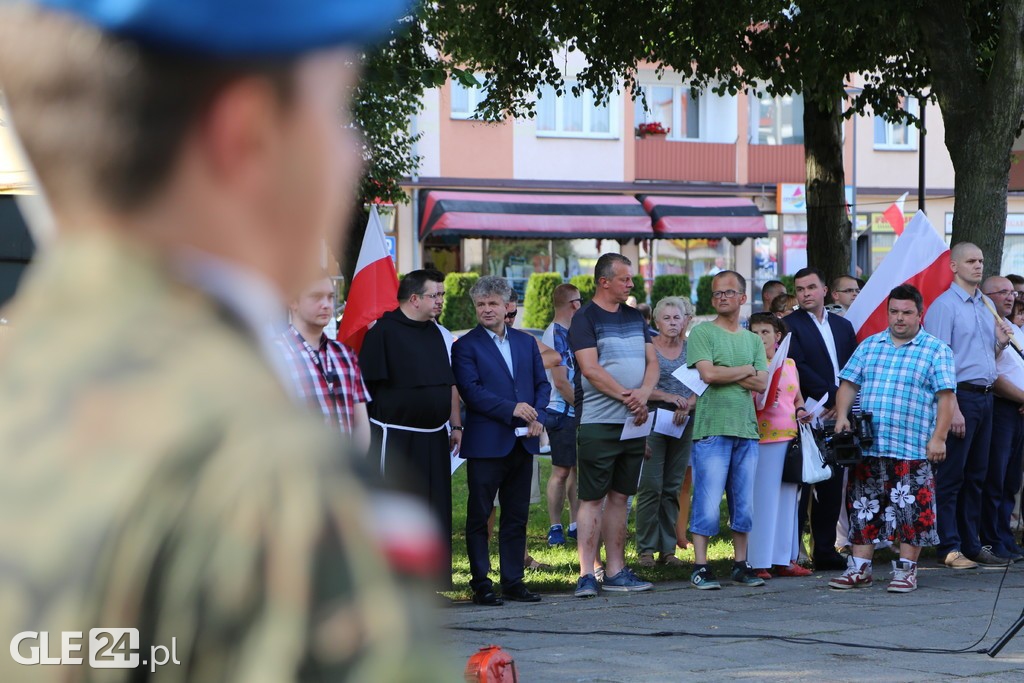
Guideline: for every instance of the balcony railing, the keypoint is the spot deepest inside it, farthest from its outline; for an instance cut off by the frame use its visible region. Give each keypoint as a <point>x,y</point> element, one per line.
<point>678,160</point>
<point>776,164</point>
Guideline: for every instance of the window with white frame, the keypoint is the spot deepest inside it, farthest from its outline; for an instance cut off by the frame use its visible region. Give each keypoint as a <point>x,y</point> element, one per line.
<point>897,136</point>
<point>574,115</point>
<point>466,100</point>
<point>778,120</point>
<point>674,107</point>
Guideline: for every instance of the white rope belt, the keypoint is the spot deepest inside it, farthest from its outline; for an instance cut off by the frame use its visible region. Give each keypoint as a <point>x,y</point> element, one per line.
<point>384,442</point>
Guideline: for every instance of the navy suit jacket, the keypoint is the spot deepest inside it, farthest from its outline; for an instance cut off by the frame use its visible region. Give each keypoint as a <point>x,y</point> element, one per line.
<point>491,395</point>
<point>807,349</point>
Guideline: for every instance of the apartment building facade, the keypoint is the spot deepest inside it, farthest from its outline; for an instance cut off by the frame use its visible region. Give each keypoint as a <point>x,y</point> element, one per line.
<point>722,189</point>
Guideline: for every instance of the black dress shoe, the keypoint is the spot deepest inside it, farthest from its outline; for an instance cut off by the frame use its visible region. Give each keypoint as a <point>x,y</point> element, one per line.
<point>519,593</point>
<point>487,597</point>
<point>828,561</point>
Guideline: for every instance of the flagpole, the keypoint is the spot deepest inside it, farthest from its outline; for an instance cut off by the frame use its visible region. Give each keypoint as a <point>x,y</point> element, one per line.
<point>999,319</point>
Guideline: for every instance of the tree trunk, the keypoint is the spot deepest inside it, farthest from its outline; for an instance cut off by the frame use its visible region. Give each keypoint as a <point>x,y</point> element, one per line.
<point>828,227</point>
<point>981,113</point>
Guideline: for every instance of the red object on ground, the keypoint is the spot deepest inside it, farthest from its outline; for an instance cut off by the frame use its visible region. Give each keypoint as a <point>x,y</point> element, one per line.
<point>374,289</point>
<point>491,664</point>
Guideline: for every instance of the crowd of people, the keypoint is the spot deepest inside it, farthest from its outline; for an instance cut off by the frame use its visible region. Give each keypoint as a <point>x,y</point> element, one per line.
<point>946,395</point>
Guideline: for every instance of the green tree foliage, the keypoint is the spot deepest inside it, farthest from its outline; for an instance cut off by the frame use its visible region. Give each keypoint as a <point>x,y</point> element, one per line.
<point>790,283</point>
<point>458,312</point>
<point>704,295</point>
<point>639,290</point>
<point>539,308</point>
<point>670,285</point>
<point>586,285</point>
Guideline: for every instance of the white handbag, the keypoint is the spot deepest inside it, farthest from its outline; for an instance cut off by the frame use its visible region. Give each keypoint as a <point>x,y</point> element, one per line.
<point>814,467</point>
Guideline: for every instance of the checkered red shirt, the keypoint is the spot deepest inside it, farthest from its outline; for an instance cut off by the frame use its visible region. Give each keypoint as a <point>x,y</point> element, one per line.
<point>334,385</point>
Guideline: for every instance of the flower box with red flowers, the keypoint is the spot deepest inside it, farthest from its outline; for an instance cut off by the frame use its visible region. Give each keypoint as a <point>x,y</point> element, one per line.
<point>645,130</point>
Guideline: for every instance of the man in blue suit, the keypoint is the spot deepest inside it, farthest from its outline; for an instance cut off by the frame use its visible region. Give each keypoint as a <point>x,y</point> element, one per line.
<point>501,379</point>
<point>821,345</point>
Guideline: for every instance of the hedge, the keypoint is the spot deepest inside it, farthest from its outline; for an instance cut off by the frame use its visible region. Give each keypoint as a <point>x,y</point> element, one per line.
<point>639,291</point>
<point>540,310</point>
<point>586,285</point>
<point>704,295</point>
<point>458,312</point>
<point>670,285</point>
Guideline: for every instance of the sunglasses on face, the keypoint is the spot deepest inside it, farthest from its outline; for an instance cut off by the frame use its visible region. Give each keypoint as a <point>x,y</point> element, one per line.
<point>511,315</point>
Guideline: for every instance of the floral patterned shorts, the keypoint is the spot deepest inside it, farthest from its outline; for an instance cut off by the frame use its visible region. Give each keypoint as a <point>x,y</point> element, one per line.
<point>892,499</point>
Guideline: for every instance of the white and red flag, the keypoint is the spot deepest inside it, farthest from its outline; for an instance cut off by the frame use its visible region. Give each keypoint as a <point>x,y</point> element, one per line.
<point>374,289</point>
<point>919,258</point>
<point>894,214</point>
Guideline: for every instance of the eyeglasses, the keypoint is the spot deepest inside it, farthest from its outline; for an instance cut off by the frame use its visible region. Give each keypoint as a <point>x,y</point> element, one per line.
<point>511,315</point>
<point>851,290</point>
<point>727,294</point>
<point>1002,292</point>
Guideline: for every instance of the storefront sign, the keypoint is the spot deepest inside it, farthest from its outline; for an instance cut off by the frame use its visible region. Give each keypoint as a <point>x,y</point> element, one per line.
<point>791,198</point>
<point>1014,223</point>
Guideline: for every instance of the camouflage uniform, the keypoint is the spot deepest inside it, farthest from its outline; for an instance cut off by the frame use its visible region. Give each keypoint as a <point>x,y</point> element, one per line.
<point>154,475</point>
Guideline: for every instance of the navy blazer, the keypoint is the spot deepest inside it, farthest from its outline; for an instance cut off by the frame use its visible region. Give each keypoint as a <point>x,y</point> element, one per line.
<point>491,395</point>
<point>807,349</point>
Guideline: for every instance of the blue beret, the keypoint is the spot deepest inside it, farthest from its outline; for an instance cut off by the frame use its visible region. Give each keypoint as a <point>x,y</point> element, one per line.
<point>239,28</point>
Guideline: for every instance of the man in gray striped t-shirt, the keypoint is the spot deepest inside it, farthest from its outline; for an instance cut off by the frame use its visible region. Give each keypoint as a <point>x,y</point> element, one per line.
<point>617,370</point>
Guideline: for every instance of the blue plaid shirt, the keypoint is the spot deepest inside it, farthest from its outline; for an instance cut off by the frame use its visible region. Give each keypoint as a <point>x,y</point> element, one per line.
<point>898,386</point>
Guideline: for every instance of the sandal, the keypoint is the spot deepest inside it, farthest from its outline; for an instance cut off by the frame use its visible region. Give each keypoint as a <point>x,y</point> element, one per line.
<point>672,561</point>
<point>647,560</point>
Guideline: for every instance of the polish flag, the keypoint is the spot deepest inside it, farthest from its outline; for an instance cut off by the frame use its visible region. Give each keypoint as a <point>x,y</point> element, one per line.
<point>374,289</point>
<point>919,258</point>
<point>894,214</point>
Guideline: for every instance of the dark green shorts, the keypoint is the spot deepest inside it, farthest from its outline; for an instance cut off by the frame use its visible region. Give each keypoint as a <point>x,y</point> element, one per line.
<point>603,463</point>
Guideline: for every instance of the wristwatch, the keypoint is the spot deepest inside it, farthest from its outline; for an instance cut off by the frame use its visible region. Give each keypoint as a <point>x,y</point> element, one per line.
<point>457,428</point>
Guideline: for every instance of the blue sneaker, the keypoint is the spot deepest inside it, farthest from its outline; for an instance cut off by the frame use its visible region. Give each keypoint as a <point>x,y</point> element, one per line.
<point>702,579</point>
<point>571,533</point>
<point>626,582</point>
<point>587,587</point>
<point>555,535</point>
<point>744,575</point>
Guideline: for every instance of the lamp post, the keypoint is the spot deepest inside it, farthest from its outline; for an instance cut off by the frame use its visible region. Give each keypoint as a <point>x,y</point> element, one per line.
<point>853,91</point>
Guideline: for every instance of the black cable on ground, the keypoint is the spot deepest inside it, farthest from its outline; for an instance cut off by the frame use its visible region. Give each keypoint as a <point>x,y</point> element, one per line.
<point>796,640</point>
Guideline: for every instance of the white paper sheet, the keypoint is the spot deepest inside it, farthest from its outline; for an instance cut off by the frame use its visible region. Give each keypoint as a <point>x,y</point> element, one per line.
<point>815,407</point>
<point>691,378</point>
<point>456,462</point>
<point>663,423</point>
<point>778,359</point>
<point>631,430</point>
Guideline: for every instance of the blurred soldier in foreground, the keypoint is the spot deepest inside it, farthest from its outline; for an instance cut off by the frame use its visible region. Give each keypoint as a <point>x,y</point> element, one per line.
<point>155,475</point>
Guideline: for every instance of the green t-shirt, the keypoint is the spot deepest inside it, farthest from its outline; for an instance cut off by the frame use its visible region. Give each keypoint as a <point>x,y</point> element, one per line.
<point>725,409</point>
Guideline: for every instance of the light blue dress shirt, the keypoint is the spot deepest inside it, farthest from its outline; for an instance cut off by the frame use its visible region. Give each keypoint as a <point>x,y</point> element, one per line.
<point>504,348</point>
<point>966,325</point>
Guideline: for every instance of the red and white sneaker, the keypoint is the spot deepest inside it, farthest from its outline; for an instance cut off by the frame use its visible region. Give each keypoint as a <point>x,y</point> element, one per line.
<point>904,578</point>
<point>853,577</point>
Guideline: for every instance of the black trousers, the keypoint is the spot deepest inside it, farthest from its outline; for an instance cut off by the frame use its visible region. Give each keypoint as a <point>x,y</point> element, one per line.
<point>510,478</point>
<point>825,499</point>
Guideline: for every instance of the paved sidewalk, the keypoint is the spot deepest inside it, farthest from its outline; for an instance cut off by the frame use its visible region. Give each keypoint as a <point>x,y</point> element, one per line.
<point>949,610</point>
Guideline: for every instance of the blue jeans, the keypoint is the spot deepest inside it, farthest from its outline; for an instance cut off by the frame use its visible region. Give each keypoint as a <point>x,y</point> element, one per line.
<point>723,464</point>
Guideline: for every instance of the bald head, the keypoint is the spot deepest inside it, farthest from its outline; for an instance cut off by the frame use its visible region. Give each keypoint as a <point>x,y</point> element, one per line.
<point>1000,290</point>
<point>968,265</point>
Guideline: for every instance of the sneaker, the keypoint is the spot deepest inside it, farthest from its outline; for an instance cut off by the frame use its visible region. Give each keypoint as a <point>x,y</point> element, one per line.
<point>987,558</point>
<point>571,533</point>
<point>587,587</point>
<point>793,570</point>
<point>626,582</point>
<point>702,579</point>
<point>904,578</point>
<point>745,575</point>
<point>763,574</point>
<point>555,535</point>
<point>852,577</point>
<point>957,560</point>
